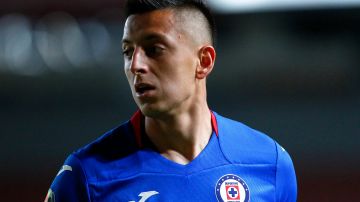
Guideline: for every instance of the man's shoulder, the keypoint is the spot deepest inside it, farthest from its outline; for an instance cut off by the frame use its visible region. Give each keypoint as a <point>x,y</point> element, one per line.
<point>112,154</point>
<point>245,145</point>
<point>114,144</point>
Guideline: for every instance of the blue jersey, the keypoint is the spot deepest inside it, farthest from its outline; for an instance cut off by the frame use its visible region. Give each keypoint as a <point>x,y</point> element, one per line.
<point>239,164</point>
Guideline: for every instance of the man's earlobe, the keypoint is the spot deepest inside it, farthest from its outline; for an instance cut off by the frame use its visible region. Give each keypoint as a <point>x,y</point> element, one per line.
<point>207,61</point>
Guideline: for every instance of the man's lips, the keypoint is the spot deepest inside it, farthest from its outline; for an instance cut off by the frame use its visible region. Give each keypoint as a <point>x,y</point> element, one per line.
<point>142,88</point>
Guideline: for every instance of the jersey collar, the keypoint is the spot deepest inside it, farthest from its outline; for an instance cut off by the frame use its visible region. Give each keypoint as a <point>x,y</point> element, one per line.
<point>137,122</point>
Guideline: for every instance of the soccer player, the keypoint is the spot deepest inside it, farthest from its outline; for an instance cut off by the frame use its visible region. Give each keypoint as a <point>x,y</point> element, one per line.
<point>174,148</point>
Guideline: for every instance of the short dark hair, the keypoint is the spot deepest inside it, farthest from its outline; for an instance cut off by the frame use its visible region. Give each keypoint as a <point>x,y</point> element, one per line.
<point>143,6</point>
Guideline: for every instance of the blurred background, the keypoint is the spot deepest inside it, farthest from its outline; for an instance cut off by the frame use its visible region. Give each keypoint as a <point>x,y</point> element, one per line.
<point>288,68</point>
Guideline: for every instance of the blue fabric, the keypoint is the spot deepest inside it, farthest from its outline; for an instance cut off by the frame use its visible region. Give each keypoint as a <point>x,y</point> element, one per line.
<point>113,168</point>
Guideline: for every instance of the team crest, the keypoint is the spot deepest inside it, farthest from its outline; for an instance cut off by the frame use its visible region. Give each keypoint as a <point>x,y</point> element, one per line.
<point>231,188</point>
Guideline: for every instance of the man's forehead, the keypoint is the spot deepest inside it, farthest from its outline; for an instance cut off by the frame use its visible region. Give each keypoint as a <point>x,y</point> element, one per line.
<point>162,20</point>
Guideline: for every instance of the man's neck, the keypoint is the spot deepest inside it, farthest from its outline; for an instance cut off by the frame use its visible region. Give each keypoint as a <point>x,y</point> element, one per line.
<point>181,137</point>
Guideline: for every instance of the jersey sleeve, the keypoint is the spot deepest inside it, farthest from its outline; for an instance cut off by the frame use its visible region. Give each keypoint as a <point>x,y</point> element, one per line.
<point>70,183</point>
<point>286,186</point>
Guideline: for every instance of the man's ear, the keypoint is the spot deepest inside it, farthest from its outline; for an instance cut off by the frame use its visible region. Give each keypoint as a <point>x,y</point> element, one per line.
<point>207,56</point>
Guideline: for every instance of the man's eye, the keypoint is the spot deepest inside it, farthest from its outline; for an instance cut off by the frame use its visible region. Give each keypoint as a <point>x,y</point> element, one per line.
<point>154,51</point>
<point>127,53</point>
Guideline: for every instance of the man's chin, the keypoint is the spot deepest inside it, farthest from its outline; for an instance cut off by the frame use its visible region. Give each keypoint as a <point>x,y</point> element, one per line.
<point>149,110</point>
<point>152,111</point>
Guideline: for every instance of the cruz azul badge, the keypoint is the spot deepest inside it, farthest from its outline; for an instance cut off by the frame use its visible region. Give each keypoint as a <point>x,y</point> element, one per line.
<point>231,188</point>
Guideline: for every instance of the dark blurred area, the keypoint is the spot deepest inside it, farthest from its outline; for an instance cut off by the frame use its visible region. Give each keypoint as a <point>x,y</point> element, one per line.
<point>293,74</point>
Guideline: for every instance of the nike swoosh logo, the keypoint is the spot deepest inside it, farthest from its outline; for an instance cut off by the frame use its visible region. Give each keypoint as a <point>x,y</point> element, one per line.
<point>64,168</point>
<point>145,195</point>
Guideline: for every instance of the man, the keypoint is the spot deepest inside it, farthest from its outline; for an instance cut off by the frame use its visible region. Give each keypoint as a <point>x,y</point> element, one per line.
<point>174,148</point>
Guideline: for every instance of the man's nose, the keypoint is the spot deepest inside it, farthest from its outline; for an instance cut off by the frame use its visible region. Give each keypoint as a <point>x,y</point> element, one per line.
<point>138,62</point>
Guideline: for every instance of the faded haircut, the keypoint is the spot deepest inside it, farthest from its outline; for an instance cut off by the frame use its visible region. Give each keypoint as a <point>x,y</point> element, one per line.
<point>142,6</point>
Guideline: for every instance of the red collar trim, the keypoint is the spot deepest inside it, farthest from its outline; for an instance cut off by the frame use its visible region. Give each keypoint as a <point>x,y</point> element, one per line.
<point>137,119</point>
<point>214,123</point>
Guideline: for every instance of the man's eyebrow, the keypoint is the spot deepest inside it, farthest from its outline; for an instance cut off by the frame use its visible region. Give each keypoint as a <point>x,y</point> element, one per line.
<point>149,37</point>
<point>126,41</point>
<point>154,36</point>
